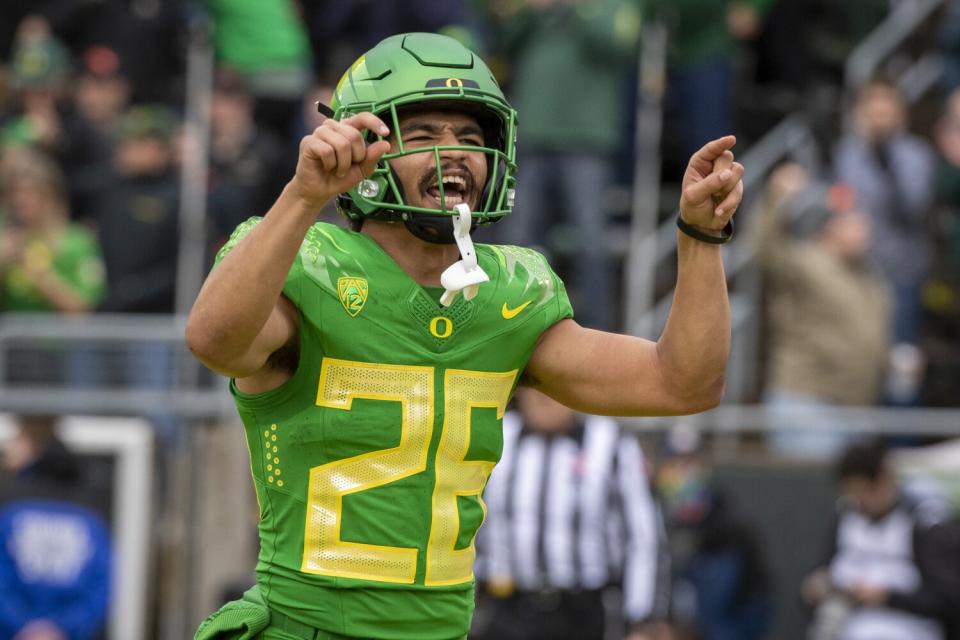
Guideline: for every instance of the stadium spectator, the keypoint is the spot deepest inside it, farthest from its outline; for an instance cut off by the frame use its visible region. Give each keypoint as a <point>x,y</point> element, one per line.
<point>370,482</point>
<point>101,95</point>
<point>703,40</point>
<point>147,36</point>
<point>137,215</point>
<point>341,31</point>
<point>102,91</point>
<point>827,310</point>
<point>569,65</point>
<point>948,44</point>
<point>39,69</point>
<point>940,571</point>
<point>43,115</point>
<point>47,262</point>
<point>267,44</point>
<point>941,294</point>
<point>138,223</point>
<point>805,44</point>
<point>876,583</point>
<point>892,173</point>
<point>570,513</point>
<point>247,163</point>
<point>55,548</point>
<point>947,135</point>
<point>721,582</point>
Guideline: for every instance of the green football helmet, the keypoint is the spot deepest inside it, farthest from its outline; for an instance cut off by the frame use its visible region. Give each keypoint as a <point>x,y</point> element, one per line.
<point>414,70</point>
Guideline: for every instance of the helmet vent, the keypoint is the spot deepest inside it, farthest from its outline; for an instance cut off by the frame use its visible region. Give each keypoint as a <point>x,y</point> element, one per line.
<point>432,50</point>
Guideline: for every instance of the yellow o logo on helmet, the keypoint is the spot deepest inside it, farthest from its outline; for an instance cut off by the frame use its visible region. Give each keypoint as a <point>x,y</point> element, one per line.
<point>435,327</point>
<point>454,82</point>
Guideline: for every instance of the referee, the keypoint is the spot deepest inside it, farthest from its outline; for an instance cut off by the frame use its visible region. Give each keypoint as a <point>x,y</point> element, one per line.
<point>569,514</point>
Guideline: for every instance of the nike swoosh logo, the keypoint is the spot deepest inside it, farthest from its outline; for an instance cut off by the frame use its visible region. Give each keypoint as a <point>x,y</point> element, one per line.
<point>508,313</point>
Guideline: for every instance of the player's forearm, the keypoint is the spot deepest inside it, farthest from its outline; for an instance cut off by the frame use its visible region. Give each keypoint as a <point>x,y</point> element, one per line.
<point>692,352</point>
<point>239,295</point>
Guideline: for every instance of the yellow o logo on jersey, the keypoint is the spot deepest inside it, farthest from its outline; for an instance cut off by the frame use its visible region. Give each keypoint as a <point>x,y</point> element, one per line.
<point>435,327</point>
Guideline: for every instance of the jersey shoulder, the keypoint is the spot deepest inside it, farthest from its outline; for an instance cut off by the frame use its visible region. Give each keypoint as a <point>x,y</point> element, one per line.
<point>321,238</point>
<point>524,277</point>
<point>329,256</point>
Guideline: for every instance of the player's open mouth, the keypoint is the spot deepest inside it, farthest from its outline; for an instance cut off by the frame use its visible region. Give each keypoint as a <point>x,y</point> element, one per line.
<point>456,189</point>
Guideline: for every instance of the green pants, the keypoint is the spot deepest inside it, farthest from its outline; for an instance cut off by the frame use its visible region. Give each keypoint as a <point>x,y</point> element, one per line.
<point>249,618</point>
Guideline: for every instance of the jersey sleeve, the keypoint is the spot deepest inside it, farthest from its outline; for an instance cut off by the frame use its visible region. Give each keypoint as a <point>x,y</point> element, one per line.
<point>561,307</point>
<point>293,286</point>
<point>526,272</point>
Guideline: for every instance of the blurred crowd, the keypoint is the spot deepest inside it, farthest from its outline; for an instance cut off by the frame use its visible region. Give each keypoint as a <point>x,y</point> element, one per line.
<point>93,142</point>
<point>861,269</point>
<point>93,145</point>
<point>859,252</point>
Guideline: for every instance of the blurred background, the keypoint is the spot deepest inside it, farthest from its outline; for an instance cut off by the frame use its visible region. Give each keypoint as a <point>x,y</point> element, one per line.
<point>136,134</point>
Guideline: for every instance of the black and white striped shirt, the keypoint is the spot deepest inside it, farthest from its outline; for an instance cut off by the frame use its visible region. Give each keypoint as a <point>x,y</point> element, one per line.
<point>575,511</point>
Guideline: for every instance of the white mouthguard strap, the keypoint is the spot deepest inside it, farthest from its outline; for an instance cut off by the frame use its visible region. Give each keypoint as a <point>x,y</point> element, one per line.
<point>464,275</point>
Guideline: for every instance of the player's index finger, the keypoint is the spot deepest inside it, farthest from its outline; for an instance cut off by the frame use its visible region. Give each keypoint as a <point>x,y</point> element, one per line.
<point>367,120</point>
<point>715,148</point>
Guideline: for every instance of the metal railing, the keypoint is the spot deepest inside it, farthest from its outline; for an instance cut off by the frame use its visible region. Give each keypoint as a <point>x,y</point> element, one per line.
<point>886,39</point>
<point>95,364</point>
<point>792,138</point>
<point>742,418</point>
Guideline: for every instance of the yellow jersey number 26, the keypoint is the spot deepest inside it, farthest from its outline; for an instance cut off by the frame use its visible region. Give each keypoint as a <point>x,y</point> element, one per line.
<point>342,381</point>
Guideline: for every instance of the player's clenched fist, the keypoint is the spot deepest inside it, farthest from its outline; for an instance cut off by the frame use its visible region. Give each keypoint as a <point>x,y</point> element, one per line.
<point>335,157</point>
<point>712,185</point>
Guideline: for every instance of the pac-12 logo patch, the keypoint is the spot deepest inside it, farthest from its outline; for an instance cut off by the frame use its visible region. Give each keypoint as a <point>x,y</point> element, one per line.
<point>353,293</point>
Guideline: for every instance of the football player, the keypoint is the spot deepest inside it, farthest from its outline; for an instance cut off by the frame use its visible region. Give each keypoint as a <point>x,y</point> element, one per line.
<point>371,367</point>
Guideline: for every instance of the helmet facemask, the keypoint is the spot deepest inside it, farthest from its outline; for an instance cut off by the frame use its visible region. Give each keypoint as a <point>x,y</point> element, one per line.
<point>381,195</point>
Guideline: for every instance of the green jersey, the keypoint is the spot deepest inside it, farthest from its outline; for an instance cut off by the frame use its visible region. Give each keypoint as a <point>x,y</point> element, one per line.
<point>369,463</point>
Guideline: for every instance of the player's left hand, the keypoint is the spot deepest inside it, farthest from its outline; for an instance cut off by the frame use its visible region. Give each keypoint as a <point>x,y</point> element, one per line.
<point>712,186</point>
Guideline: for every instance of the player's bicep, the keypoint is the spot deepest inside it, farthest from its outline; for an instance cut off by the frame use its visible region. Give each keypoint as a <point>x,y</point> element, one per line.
<point>600,372</point>
<point>279,331</point>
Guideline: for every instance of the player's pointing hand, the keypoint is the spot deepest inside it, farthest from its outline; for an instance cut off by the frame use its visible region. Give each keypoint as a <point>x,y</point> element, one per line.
<point>336,157</point>
<point>712,185</point>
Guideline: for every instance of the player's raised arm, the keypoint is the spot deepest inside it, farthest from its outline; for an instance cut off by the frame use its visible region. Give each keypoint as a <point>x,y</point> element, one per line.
<point>683,372</point>
<point>239,318</point>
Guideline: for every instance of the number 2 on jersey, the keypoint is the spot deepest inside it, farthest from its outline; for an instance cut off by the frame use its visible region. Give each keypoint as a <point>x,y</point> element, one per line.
<point>342,381</point>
